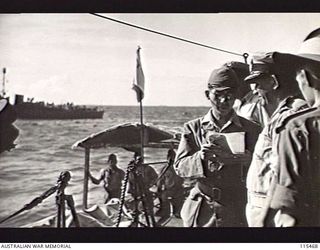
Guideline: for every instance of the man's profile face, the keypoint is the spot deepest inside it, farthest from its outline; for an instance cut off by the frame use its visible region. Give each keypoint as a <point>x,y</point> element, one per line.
<point>263,86</point>
<point>221,100</point>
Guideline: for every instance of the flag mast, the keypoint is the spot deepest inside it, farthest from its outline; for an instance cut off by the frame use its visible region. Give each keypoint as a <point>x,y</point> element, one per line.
<point>139,88</point>
<point>142,131</point>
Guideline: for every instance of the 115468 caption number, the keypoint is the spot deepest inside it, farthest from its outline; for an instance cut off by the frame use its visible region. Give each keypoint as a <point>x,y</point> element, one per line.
<point>309,245</point>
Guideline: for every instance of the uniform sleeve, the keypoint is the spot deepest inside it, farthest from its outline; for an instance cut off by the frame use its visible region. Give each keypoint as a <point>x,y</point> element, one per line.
<point>292,161</point>
<point>188,163</point>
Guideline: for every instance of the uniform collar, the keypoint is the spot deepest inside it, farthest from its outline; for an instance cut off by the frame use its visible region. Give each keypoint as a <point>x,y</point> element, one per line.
<point>209,122</point>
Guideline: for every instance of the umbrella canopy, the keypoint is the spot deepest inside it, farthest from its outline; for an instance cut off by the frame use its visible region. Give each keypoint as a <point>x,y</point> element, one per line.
<point>127,136</point>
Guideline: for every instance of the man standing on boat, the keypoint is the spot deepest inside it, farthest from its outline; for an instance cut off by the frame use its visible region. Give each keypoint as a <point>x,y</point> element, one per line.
<point>277,85</point>
<point>138,197</point>
<point>294,192</point>
<point>112,177</point>
<point>141,174</point>
<point>170,188</point>
<point>218,198</point>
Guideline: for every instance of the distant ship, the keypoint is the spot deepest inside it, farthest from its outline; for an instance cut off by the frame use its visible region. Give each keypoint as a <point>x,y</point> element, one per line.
<point>41,110</point>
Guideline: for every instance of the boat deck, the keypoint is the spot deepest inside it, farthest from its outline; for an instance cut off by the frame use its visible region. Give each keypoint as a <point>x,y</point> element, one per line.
<point>99,216</point>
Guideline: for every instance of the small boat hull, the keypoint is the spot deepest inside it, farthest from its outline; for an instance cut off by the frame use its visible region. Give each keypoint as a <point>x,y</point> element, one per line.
<point>34,111</point>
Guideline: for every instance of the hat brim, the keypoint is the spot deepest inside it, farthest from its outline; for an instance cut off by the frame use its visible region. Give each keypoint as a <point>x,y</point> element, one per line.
<point>254,76</point>
<point>312,57</point>
<point>221,88</point>
<point>297,60</point>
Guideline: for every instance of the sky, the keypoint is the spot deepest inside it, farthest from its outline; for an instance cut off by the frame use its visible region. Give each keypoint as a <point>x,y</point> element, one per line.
<point>84,59</point>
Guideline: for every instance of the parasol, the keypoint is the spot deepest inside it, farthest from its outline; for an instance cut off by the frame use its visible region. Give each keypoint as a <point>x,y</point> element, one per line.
<point>128,136</point>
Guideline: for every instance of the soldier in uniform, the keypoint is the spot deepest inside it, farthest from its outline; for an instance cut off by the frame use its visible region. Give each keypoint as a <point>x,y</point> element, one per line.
<point>218,197</point>
<point>280,91</point>
<point>251,104</point>
<point>295,190</point>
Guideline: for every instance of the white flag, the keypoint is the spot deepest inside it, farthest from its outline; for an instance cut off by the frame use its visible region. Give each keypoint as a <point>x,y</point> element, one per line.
<point>139,85</point>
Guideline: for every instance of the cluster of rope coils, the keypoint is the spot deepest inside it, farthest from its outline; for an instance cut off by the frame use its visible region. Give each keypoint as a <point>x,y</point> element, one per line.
<point>244,55</point>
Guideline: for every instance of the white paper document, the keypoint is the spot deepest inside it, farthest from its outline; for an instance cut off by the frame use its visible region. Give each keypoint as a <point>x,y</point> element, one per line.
<point>229,142</point>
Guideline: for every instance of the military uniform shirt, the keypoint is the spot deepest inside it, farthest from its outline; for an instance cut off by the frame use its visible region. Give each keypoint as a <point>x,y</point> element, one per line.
<point>297,189</point>
<point>188,162</point>
<point>264,161</point>
<point>224,185</point>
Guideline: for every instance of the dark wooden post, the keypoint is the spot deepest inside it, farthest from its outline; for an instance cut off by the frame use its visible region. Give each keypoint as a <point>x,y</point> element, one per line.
<point>86,177</point>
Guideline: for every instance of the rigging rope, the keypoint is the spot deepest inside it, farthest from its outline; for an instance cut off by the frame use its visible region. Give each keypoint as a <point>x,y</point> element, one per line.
<point>167,35</point>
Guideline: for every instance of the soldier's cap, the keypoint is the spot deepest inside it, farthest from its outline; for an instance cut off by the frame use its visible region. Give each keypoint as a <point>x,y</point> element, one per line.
<point>223,78</point>
<point>261,65</point>
<point>241,69</point>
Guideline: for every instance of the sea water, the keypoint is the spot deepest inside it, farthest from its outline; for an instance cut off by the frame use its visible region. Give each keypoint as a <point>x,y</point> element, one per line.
<point>44,150</point>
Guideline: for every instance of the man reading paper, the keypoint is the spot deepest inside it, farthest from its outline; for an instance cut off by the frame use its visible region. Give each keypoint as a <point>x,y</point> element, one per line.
<point>218,197</point>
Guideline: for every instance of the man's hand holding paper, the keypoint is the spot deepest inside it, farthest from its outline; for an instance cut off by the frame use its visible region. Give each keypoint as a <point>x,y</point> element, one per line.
<point>228,148</point>
<point>209,151</point>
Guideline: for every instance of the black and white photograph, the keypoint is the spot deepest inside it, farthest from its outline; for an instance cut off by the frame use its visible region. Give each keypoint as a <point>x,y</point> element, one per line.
<point>159,120</point>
